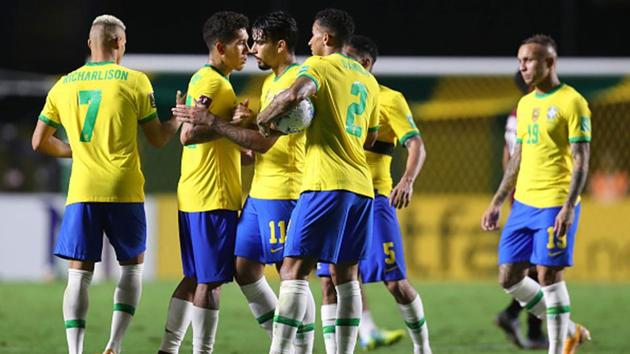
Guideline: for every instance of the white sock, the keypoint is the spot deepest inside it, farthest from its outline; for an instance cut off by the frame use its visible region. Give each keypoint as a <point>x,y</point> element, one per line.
<point>262,302</point>
<point>329,318</point>
<point>126,298</point>
<point>177,321</point>
<point>413,315</point>
<point>529,294</point>
<point>292,303</point>
<point>367,325</point>
<point>306,331</point>
<point>558,313</point>
<point>75,306</point>
<point>204,325</point>
<point>349,309</point>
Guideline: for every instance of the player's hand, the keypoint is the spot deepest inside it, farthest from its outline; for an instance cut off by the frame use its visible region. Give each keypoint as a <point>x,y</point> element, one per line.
<point>401,194</point>
<point>242,113</point>
<point>196,115</point>
<point>490,218</point>
<point>180,99</point>
<point>564,220</point>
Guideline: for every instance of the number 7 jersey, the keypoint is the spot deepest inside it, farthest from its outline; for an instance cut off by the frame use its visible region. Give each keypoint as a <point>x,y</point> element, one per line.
<point>100,106</point>
<point>346,108</point>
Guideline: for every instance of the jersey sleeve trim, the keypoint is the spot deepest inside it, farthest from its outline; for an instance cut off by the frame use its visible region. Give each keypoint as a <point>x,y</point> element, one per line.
<point>374,128</point>
<point>312,78</point>
<point>408,136</point>
<point>49,121</point>
<point>580,139</point>
<point>519,140</point>
<point>148,118</point>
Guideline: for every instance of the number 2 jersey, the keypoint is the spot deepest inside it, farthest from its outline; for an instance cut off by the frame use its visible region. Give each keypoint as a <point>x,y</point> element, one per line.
<point>346,107</point>
<point>546,126</point>
<point>100,106</point>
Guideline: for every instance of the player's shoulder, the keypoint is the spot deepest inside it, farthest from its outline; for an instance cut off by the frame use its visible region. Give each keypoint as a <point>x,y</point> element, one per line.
<point>571,94</point>
<point>387,94</point>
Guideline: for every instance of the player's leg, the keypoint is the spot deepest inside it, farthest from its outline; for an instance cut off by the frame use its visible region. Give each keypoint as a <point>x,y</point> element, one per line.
<point>260,297</point>
<point>349,305</point>
<point>80,241</point>
<point>213,239</point>
<point>293,301</point>
<point>536,336</point>
<point>127,232</point>
<point>179,314</point>
<point>370,336</point>
<point>329,307</point>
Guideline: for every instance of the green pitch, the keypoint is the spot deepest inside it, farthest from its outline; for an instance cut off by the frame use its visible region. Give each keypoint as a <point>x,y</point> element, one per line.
<point>459,317</point>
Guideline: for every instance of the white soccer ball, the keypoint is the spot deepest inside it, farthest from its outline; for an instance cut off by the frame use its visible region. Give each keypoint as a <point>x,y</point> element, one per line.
<point>297,119</point>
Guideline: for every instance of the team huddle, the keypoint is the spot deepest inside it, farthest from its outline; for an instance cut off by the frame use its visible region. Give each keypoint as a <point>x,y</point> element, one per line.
<point>322,198</point>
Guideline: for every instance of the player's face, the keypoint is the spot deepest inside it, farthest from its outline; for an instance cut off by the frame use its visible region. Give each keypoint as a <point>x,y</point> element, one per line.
<point>235,51</point>
<point>264,50</point>
<point>533,63</point>
<point>317,40</point>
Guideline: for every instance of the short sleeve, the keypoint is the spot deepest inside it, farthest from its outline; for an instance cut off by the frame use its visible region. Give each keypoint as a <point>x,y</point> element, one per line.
<point>50,114</point>
<point>313,68</point>
<point>521,129</point>
<point>401,120</point>
<point>373,119</point>
<point>579,121</point>
<point>145,100</point>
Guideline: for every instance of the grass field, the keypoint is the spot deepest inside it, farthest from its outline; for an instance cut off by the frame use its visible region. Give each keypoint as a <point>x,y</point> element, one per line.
<point>459,316</point>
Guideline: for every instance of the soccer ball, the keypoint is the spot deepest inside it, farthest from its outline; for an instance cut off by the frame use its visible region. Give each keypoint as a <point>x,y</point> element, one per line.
<point>297,119</point>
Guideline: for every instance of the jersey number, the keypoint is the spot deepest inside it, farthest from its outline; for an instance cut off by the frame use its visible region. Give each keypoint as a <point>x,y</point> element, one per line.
<point>357,89</point>
<point>91,98</point>
<point>560,242</point>
<point>533,134</point>
<point>283,232</point>
<point>388,248</point>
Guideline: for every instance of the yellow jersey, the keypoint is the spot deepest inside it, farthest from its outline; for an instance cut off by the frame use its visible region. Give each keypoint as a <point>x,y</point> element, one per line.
<point>346,107</point>
<point>100,106</point>
<point>278,172</point>
<point>396,126</point>
<point>211,172</point>
<point>546,126</point>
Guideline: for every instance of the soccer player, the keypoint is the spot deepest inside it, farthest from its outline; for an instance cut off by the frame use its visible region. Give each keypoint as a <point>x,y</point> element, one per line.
<point>279,163</point>
<point>548,171</point>
<point>332,219</point>
<point>100,105</point>
<point>507,319</point>
<point>209,191</point>
<point>385,261</point>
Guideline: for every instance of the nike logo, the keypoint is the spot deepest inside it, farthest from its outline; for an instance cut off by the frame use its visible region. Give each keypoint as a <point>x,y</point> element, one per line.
<point>274,250</point>
<point>553,254</point>
<point>387,270</point>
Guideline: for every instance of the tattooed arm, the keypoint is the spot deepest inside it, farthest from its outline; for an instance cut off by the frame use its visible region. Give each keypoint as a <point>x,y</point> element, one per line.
<point>580,152</point>
<point>490,219</point>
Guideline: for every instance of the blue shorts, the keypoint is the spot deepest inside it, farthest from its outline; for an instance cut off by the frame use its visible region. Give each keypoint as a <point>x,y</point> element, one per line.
<point>528,237</point>
<point>385,259</point>
<point>331,226</point>
<point>207,245</point>
<point>83,224</point>
<point>262,229</point>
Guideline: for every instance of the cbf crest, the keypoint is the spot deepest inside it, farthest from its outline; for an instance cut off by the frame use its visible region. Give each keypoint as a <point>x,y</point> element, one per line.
<point>552,112</point>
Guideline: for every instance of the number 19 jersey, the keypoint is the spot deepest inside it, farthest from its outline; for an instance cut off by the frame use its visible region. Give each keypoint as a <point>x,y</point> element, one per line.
<point>346,107</point>
<point>100,105</point>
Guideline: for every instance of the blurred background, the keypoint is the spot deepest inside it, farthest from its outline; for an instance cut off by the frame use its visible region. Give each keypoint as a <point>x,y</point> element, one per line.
<point>454,62</point>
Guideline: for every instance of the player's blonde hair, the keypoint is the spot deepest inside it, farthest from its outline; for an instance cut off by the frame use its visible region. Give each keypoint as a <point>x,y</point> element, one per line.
<point>108,21</point>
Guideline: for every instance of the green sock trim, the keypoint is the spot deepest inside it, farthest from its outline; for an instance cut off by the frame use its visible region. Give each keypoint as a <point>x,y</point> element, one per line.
<point>265,317</point>
<point>533,302</point>
<point>125,308</point>
<point>306,328</point>
<point>287,321</point>
<point>348,322</point>
<point>328,329</point>
<point>75,324</point>
<point>558,310</point>
<point>415,325</point>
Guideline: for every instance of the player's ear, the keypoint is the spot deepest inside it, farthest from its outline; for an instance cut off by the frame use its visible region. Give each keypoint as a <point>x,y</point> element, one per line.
<point>326,39</point>
<point>281,45</point>
<point>219,47</point>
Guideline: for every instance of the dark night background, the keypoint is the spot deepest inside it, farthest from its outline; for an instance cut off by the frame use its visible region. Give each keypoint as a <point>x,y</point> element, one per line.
<point>50,36</point>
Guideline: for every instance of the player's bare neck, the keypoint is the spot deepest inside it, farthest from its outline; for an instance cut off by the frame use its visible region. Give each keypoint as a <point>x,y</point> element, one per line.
<point>284,64</point>
<point>220,65</point>
<point>102,55</point>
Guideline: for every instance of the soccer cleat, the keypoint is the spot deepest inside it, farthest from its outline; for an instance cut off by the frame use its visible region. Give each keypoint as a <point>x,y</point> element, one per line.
<point>510,327</point>
<point>572,343</point>
<point>109,351</point>
<point>381,338</point>
<point>540,342</point>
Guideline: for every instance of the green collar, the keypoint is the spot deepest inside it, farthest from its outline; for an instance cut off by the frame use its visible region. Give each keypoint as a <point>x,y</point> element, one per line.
<point>217,70</point>
<point>98,63</point>
<point>547,94</point>
<point>285,70</point>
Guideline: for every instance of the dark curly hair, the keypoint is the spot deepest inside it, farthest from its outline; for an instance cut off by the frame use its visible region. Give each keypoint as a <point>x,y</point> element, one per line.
<point>276,26</point>
<point>338,22</point>
<point>365,46</point>
<point>222,27</point>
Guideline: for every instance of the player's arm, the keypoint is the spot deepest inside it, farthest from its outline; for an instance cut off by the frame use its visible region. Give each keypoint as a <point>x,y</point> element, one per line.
<point>490,219</point>
<point>159,133</point>
<point>581,152</point>
<point>416,155</point>
<point>195,133</point>
<point>302,88</point>
<point>44,141</point>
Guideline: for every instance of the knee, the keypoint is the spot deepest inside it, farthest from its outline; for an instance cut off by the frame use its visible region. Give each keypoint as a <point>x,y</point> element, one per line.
<point>508,279</point>
<point>329,294</point>
<point>549,275</point>
<point>401,290</point>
